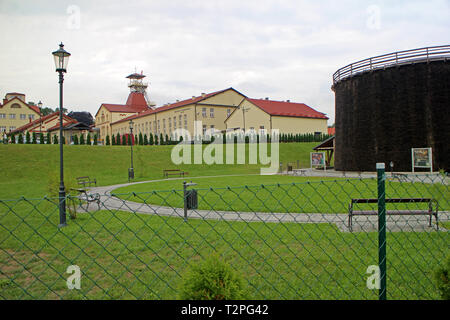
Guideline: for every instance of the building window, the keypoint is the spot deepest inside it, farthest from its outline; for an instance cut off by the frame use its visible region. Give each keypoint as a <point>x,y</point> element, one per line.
<point>179,121</point>
<point>159,126</point>
<point>211,113</point>
<point>23,117</point>
<point>2,115</point>
<point>204,112</point>
<point>174,122</point>
<point>2,129</point>
<point>204,129</point>
<point>12,128</point>
<point>228,112</point>
<point>31,116</point>
<point>12,115</point>
<point>15,105</point>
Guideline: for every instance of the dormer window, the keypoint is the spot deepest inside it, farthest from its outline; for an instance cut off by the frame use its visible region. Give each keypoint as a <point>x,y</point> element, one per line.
<point>15,105</point>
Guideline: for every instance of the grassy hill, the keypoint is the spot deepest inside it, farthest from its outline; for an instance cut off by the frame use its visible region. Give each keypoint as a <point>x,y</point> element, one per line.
<point>29,170</point>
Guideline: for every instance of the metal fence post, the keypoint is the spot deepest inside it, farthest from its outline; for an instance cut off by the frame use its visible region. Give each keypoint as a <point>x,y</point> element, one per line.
<point>381,179</point>
<point>185,200</point>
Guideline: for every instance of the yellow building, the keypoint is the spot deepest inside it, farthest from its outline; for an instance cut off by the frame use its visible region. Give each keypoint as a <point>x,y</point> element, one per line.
<point>15,112</point>
<point>264,115</point>
<point>50,123</point>
<point>211,109</point>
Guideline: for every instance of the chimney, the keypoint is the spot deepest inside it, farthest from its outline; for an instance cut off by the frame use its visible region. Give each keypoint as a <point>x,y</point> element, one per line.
<point>288,100</point>
<point>203,94</point>
<point>267,98</point>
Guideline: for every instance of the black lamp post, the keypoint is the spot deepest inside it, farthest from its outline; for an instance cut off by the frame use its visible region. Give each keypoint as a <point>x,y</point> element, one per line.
<point>61,57</point>
<point>131,170</point>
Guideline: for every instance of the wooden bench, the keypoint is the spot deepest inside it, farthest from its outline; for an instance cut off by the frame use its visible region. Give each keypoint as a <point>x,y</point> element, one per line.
<point>83,181</point>
<point>299,172</point>
<point>402,177</point>
<point>86,199</point>
<point>174,172</point>
<point>430,212</point>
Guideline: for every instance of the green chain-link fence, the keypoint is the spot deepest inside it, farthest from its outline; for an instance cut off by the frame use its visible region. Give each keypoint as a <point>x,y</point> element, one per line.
<point>288,241</point>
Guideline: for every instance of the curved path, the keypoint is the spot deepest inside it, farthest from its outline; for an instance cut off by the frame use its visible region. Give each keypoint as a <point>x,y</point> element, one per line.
<point>360,223</point>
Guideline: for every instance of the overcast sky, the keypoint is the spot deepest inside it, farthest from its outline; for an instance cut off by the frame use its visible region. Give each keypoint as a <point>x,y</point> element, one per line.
<point>262,48</point>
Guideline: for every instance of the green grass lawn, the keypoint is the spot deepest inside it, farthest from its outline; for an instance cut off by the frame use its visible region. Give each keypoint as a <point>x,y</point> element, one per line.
<point>126,256</point>
<point>31,170</point>
<point>281,193</point>
<point>129,255</point>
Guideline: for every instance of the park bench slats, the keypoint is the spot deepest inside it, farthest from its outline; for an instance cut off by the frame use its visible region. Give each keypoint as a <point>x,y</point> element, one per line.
<point>429,212</point>
<point>86,181</point>
<point>174,172</point>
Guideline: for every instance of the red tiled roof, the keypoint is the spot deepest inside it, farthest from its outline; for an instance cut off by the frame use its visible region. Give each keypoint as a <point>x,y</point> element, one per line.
<point>34,108</point>
<point>136,99</point>
<point>65,124</point>
<point>332,130</point>
<point>173,105</point>
<point>287,109</point>
<point>42,119</point>
<point>135,103</point>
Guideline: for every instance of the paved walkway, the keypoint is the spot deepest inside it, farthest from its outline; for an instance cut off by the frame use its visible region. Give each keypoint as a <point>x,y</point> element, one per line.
<point>360,223</point>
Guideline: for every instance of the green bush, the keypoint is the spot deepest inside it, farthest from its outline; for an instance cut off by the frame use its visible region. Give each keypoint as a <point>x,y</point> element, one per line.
<point>212,279</point>
<point>442,277</point>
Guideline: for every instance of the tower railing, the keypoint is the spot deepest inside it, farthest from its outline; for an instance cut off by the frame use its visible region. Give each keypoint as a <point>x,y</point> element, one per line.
<point>393,59</point>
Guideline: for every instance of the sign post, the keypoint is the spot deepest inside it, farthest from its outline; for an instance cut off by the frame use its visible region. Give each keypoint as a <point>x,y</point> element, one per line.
<point>422,158</point>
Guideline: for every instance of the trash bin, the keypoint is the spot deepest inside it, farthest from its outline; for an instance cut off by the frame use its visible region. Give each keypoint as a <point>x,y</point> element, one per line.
<point>191,199</point>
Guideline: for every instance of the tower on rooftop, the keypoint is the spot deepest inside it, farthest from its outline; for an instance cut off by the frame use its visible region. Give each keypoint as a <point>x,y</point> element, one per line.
<point>137,84</point>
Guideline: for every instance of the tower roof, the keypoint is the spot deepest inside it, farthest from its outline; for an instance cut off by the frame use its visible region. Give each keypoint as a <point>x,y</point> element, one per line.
<point>136,76</point>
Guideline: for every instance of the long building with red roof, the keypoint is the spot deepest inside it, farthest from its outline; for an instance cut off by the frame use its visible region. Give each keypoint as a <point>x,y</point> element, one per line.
<point>223,110</point>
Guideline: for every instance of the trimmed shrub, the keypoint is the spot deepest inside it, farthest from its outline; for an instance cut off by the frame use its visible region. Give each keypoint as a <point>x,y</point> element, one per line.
<point>13,138</point>
<point>145,140</point>
<point>113,140</point>
<point>107,140</point>
<point>442,278</point>
<point>20,138</point>
<point>95,140</point>
<point>82,139</point>
<point>49,139</point>
<point>34,139</point>
<point>151,142</point>
<point>41,138</point>
<point>28,138</point>
<point>141,139</point>
<point>88,139</point>
<point>55,139</point>
<point>75,140</point>
<point>212,279</point>
<point>118,139</point>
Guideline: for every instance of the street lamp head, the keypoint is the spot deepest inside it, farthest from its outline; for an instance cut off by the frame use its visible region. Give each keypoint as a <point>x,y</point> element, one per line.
<point>61,57</point>
<point>40,104</point>
<point>131,124</point>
